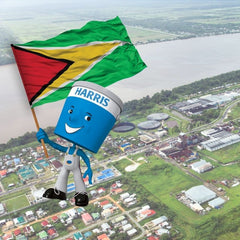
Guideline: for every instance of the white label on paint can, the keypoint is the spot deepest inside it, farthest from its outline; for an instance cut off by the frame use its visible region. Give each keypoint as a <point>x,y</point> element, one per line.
<point>96,98</point>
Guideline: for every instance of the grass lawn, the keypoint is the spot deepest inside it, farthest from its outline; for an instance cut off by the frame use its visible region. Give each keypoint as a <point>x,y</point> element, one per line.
<point>16,203</point>
<point>164,181</point>
<point>225,155</point>
<point>221,173</point>
<point>11,178</point>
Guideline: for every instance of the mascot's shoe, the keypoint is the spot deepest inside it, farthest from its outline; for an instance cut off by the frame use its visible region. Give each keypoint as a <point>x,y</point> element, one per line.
<point>81,199</point>
<point>54,194</point>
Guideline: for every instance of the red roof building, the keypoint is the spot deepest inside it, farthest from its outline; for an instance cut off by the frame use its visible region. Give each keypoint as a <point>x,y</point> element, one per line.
<point>55,218</point>
<point>101,190</point>
<point>7,236</point>
<point>3,173</point>
<point>116,190</point>
<point>52,233</point>
<point>44,223</point>
<point>104,203</point>
<point>17,232</point>
<point>103,237</point>
<point>152,238</point>
<point>57,165</point>
<point>87,218</point>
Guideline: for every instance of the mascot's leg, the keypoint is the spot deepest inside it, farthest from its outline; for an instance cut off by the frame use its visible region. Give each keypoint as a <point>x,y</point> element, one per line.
<point>60,190</point>
<point>81,197</point>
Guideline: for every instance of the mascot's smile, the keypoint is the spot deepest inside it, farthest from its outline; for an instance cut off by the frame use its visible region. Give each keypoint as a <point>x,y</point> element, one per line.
<point>71,130</point>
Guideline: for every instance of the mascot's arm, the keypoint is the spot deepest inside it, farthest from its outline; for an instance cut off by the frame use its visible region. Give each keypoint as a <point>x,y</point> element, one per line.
<point>41,134</point>
<point>87,162</point>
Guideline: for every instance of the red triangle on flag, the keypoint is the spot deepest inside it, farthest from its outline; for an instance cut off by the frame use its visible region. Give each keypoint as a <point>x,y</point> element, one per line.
<point>37,71</point>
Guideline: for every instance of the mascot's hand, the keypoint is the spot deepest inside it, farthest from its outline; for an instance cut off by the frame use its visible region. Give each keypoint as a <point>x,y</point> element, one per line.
<point>42,135</point>
<point>89,173</point>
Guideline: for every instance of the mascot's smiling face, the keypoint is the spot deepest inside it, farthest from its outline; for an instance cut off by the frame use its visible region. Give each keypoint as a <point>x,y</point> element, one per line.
<point>85,119</point>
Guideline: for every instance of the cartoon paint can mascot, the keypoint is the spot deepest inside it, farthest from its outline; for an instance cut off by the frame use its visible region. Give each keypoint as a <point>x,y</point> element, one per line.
<point>89,113</point>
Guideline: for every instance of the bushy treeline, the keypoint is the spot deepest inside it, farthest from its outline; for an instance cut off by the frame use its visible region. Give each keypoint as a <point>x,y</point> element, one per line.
<point>164,97</point>
<point>22,140</point>
<point>169,96</point>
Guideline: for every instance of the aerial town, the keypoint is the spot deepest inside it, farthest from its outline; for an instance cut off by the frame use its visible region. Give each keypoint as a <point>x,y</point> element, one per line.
<point>118,209</point>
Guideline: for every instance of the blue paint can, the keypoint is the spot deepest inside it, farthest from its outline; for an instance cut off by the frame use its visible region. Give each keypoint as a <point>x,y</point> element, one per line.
<point>89,113</point>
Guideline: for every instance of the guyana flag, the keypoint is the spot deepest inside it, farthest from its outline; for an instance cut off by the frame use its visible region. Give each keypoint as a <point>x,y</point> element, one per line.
<point>99,52</point>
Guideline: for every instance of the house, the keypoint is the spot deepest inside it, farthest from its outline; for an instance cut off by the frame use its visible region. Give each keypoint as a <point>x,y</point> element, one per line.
<point>43,235</point>
<point>124,195</point>
<point>55,218</point>
<point>45,223</point>
<point>78,236</point>
<point>161,231</point>
<point>40,213</point>
<point>93,193</point>
<point>105,227</point>
<point>62,204</point>
<point>80,210</point>
<point>116,191</point>
<point>30,216</point>
<point>38,195</point>
<point>52,233</point>
<point>17,232</point>
<point>88,234</point>
<point>152,238</point>
<point>103,237</point>
<point>28,231</point>
<point>87,218</point>
<point>3,173</point>
<point>21,237</point>
<point>2,210</point>
<point>104,203</point>
<point>101,190</point>
<point>8,236</point>
<point>72,213</point>
<point>131,232</point>
<point>107,213</point>
<point>126,227</point>
<point>95,216</point>
<point>19,221</point>
<point>57,165</point>
<point>107,206</point>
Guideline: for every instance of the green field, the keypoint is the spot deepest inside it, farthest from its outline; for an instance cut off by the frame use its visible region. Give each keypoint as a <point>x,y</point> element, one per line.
<point>164,181</point>
<point>11,178</point>
<point>16,203</point>
<point>225,155</point>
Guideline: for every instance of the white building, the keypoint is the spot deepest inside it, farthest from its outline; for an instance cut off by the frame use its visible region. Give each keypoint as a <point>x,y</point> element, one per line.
<point>2,210</point>
<point>200,194</point>
<point>38,195</point>
<point>201,166</point>
<point>131,232</point>
<point>126,227</point>
<point>124,195</point>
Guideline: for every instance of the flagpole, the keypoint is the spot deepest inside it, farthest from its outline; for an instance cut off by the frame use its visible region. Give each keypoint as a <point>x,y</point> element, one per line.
<point>37,125</point>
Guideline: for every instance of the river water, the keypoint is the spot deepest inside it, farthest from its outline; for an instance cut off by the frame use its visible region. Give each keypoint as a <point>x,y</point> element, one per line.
<point>170,64</point>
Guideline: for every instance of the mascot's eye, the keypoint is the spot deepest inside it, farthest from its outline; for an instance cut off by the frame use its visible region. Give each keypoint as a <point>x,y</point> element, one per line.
<point>87,118</point>
<point>70,111</point>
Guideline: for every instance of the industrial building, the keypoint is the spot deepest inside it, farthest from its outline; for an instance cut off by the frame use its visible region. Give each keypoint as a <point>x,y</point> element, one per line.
<point>198,105</point>
<point>221,98</point>
<point>123,127</point>
<point>149,125</point>
<point>218,139</point>
<point>157,117</point>
<point>200,194</point>
<point>201,166</point>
